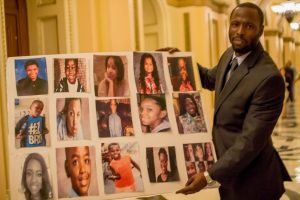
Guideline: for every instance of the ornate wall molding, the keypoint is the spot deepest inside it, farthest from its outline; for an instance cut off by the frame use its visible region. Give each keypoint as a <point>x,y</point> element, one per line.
<point>288,39</point>
<point>216,5</point>
<point>271,32</point>
<point>3,108</point>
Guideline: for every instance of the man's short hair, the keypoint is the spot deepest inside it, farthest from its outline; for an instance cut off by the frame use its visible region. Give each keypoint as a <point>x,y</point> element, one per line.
<point>251,5</point>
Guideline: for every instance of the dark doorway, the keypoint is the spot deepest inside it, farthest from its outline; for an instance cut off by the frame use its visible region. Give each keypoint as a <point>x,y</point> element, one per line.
<point>16,28</point>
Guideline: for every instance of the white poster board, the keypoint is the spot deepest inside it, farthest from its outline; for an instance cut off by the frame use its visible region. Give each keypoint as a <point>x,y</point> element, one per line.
<point>132,124</point>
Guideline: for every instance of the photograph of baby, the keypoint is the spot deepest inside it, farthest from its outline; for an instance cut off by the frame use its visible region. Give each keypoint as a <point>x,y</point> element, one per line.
<point>198,157</point>
<point>35,179</point>
<point>70,75</point>
<point>149,74</point>
<point>181,73</point>
<point>31,119</point>
<point>31,76</point>
<point>114,118</point>
<point>162,164</point>
<point>111,76</point>
<point>153,113</point>
<point>72,119</point>
<point>121,167</point>
<point>189,113</point>
<point>76,172</point>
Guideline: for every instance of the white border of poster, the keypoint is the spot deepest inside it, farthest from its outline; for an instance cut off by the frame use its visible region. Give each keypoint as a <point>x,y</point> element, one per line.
<point>136,141</point>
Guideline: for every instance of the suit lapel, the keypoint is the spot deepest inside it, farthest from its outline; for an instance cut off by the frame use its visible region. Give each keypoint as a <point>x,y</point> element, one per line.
<point>237,76</point>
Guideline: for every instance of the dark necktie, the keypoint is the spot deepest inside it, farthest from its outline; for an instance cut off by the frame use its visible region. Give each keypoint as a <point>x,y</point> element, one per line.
<point>232,67</point>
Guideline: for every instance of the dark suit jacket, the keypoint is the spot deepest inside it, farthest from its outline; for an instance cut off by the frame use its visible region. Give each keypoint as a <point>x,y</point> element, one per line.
<point>246,111</point>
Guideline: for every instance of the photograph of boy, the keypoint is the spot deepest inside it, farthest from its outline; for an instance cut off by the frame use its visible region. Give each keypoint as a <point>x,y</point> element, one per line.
<point>153,113</point>
<point>31,76</point>
<point>162,164</point>
<point>72,118</point>
<point>112,76</point>
<point>31,129</point>
<point>70,75</point>
<point>181,72</point>
<point>124,168</point>
<point>35,180</point>
<point>114,118</point>
<point>198,156</point>
<point>76,172</point>
<point>189,113</point>
<point>149,74</point>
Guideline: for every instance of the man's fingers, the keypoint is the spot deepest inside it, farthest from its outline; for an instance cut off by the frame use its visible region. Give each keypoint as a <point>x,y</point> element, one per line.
<point>186,190</point>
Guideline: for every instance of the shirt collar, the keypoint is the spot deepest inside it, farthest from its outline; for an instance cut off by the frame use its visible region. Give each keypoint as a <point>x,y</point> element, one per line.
<point>241,58</point>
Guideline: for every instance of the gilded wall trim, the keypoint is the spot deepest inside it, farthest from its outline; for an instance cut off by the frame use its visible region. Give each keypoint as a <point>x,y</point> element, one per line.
<point>288,39</point>
<point>271,33</point>
<point>3,108</point>
<point>217,6</point>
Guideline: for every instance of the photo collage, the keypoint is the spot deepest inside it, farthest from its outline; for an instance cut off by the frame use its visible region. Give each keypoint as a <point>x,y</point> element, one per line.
<point>105,125</point>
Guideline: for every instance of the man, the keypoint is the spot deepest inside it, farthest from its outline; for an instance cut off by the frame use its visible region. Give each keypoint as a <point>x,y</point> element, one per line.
<point>289,79</point>
<point>70,83</point>
<point>69,120</point>
<point>246,110</point>
<point>78,169</point>
<point>32,84</point>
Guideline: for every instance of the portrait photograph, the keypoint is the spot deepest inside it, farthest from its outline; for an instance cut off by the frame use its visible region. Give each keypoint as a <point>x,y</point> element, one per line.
<point>34,177</point>
<point>153,113</point>
<point>31,123</point>
<point>76,172</point>
<point>162,164</point>
<point>149,73</point>
<point>121,167</point>
<point>181,73</point>
<point>198,157</point>
<point>111,76</point>
<point>70,75</point>
<point>189,113</point>
<point>114,118</point>
<point>31,76</point>
<point>72,118</point>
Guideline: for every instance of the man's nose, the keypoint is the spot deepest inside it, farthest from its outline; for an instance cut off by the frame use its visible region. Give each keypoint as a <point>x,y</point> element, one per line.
<point>241,29</point>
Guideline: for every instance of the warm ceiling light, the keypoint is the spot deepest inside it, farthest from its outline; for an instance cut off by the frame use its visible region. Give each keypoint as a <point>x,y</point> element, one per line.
<point>295,26</point>
<point>288,8</point>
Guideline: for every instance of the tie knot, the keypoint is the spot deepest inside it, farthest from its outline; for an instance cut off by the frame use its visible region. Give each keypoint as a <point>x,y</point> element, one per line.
<point>234,64</point>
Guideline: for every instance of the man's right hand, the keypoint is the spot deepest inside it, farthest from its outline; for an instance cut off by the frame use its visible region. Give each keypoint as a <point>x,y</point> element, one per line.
<point>169,49</point>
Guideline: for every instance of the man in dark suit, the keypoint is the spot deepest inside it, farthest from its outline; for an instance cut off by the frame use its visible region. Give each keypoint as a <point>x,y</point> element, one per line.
<point>247,107</point>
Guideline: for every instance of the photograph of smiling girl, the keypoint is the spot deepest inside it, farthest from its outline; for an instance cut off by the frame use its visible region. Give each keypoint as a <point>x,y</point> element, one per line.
<point>36,180</point>
<point>72,119</point>
<point>153,113</point>
<point>149,74</point>
<point>70,75</point>
<point>111,76</point>
<point>181,73</point>
<point>189,113</point>
<point>76,172</point>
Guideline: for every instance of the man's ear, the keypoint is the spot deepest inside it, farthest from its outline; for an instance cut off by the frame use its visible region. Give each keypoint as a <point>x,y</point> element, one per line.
<point>67,169</point>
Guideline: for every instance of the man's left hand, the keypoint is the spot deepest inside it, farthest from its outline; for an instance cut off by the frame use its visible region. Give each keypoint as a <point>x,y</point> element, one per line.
<point>194,184</point>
